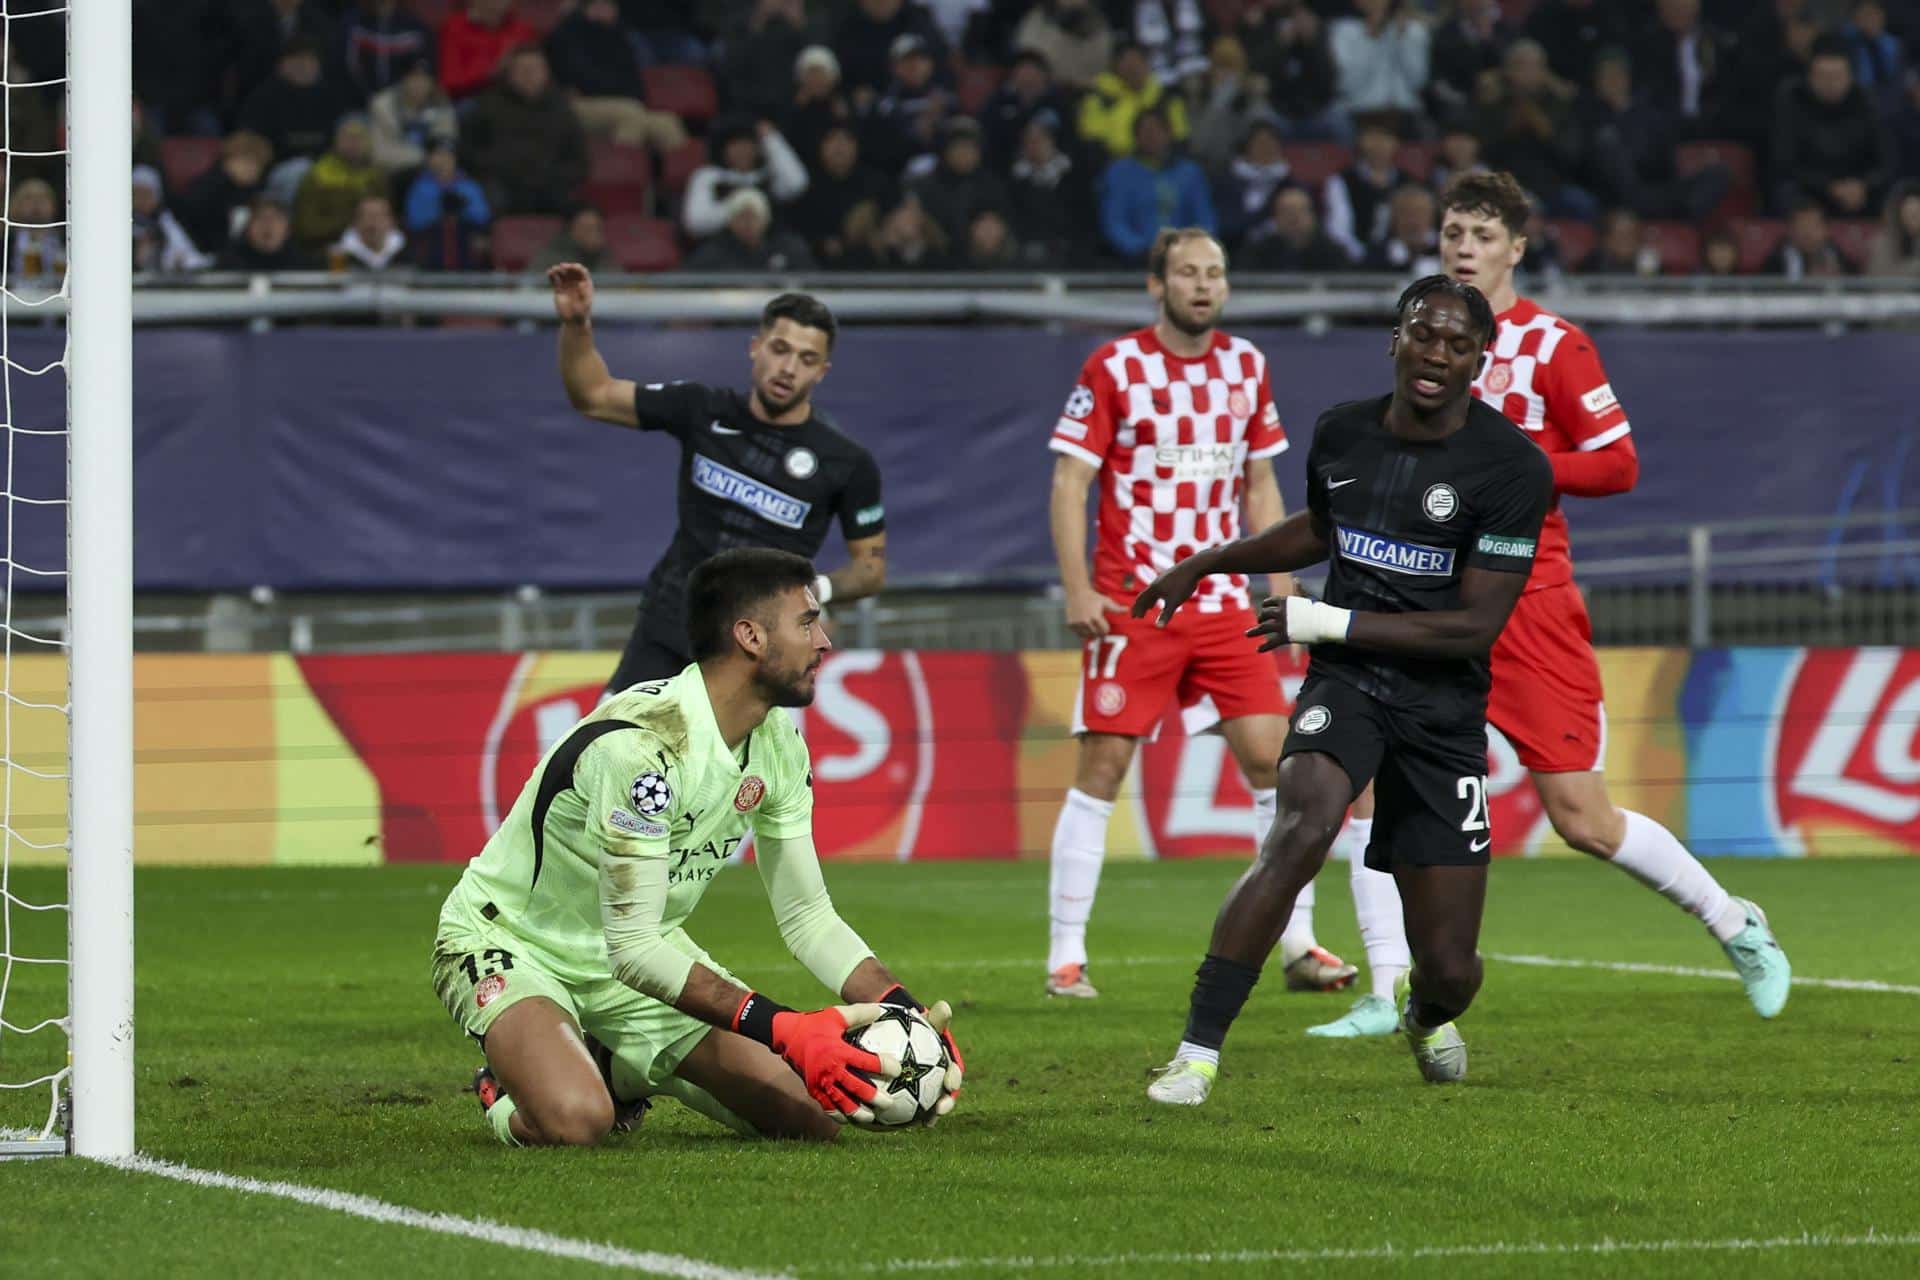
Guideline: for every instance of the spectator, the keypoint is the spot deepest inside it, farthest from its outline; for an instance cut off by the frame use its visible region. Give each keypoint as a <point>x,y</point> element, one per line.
<point>175,56</point>
<point>1357,198</point>
<point>1151,189</point>
<point>1467,45</point>
<point>844,202</point>
<point>260,30</point>
<point>818,104</point>
<point>379,43</point>
<point>146,139</point>
<point>958,187</point>
<point>904,122</point>
<point>1379,59</point>
<point>1052,198</point>
<point>409,117</point>
<point>160,243</point>
<point>1686,68</point>
<point>295,109</point>
<point>447,214</point>
<point>1622,248</point>
<point>1412,243</point>
<point>523,141</point>
<point>583,240</point>
<point>669,32</point>
<point>748,242</point>
<point>1174,34</point>
<point>867,41</point>
<point>908,240</point>
<point>1776,44</point>
<point>596,62</point>
<point>1525,125</point>
<point>1573,32</point>
<point>1230,99</point>
<point>1291,239</point>
<point>1028,90</point>
<point>266,242</point>
<point>336,184</point>
<point>760,67</point>
<point>34,249</point>
<point>1120,95</point>
<point>1808,252</point>
<point>990,243</point>
<point>214,207</point>
<point>1542,263</point>
<point>1720,254</point>
<point>1896,249</point>
<point>1879,56</point>
<point>1074,38</point>
<point>1828,143</point>
<point>1244,197</point>
<point>1629,151</point>
<point>371,241</point>
<point>749,155</point>
<point>1459,153</point>
<point>474,45</point>
<point>1904,146</point>
<point>1287,44</point>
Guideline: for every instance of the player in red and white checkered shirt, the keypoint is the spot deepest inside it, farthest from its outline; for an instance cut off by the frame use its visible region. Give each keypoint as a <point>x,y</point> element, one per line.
<point>1176,422</point>
<point>1544,374</point>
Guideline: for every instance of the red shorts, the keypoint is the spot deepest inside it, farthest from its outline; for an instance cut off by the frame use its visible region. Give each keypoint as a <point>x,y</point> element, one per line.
<point>1546,696</point>
<point>1204,660</point>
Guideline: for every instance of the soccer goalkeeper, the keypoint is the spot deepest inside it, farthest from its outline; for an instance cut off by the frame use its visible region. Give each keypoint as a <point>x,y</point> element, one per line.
<point>561,949</point>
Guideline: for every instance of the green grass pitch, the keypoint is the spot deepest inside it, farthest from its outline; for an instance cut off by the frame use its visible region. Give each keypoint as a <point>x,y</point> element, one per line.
<point>287,1031</point>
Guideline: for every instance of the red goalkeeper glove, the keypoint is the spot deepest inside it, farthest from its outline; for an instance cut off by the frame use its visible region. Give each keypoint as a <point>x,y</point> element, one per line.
<point>940,1017</point>
<point>815,1045</point>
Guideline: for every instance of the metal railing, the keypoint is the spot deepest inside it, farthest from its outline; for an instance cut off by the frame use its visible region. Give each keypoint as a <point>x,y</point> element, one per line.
<point>1826,580</point>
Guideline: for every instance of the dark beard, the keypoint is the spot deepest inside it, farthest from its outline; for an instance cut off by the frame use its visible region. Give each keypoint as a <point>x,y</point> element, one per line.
<point>1192,328</point>
<point>783,692</point>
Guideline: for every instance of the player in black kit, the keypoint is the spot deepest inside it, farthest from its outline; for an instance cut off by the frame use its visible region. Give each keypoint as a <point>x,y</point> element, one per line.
<point>757,470</point>
<point>1427,503</point>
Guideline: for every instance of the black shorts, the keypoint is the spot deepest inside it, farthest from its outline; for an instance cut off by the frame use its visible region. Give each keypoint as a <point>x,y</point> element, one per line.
<point>645,658</point>
<point>1429,774</point>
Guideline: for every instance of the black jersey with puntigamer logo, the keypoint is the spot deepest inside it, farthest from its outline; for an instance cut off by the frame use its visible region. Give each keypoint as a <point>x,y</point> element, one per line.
<point>746,483</point>
<point>1404,519</point>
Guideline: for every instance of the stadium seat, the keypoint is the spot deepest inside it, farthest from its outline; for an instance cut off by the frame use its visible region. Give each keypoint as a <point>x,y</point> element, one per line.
<point>516,240</point>
<point>688,92</point>
<point>1416,158</point>
<point>643,244</point>
<point>976,85</point>
<point>617,177</point>
<point>677,165</point>
<point>1758,237</point>
<point>1575,239</point>
<point>1314,162</point>
<point>1679,245</point>
<point>1855,238</point>
<point>1742,194</point>
<point>184,159</point>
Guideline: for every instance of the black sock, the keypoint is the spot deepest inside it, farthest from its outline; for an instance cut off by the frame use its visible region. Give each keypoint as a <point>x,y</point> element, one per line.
<point>1220,988</point>
<point>1431,1015</point>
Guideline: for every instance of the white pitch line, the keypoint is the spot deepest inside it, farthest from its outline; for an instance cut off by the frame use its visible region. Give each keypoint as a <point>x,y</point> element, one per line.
<point>606,1255</point>
<point>1384,1253</point>
<point>1689,971</point>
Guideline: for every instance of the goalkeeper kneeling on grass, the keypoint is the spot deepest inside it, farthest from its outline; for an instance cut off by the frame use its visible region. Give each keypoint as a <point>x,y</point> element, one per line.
<point>561,950</point>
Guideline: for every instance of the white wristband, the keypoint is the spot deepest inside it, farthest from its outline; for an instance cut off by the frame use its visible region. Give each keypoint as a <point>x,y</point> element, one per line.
<point>1312,622</point>
<point>822,589</point>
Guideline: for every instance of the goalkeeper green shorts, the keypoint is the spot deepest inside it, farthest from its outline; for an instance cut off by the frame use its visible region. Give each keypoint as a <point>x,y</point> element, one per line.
<point>481,969</point>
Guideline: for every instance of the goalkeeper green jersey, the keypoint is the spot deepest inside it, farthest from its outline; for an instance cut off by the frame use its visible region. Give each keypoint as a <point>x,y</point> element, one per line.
<point>633,813</point>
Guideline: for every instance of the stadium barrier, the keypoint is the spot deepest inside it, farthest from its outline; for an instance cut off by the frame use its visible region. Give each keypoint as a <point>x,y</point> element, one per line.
<point>362,759</point>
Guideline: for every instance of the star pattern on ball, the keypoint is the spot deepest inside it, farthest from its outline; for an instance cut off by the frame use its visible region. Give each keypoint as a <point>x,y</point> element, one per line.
<point>912,1070</point>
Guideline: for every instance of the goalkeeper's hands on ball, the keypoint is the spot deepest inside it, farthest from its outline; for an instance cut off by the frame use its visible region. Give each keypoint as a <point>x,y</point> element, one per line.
<point>940,1017</point>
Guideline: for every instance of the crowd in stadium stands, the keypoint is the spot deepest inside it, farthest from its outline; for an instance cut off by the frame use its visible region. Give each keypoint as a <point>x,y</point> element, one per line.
<point>1721,137</point>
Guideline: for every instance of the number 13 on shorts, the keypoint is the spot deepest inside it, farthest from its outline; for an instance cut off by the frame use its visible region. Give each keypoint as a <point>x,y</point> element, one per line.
<point>1473,790</point>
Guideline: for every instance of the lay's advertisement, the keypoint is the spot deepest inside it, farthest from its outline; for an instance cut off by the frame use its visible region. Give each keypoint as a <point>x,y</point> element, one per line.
<point>358,760</point>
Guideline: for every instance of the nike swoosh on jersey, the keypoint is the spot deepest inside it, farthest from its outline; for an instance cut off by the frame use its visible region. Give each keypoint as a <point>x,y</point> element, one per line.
<point>1341,484</point>
<point>1477,845</point>
<point>724,431</point>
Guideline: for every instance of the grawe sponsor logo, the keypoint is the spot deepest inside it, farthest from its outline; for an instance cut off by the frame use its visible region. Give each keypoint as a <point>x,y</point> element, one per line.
<point>1845,763</point>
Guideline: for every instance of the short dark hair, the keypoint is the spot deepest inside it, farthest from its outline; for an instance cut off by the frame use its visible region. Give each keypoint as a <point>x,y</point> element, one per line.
<point>1171,238</point>
<point>727,587</point>
<point>1829,45</point>
<point>1497,195</point>
<point>1479,310</point>
<point>804,310</point>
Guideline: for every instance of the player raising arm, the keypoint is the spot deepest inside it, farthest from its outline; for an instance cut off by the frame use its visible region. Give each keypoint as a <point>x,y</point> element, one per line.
<point>561,948</point>
<point>764,469</point>
<point>1429,505</point>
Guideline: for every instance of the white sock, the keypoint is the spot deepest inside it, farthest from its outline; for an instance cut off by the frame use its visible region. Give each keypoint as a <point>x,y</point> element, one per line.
<point>1650,854</point>
<point>1376,907</point>
<point>1197,1052</point>
<point>1079,847</point>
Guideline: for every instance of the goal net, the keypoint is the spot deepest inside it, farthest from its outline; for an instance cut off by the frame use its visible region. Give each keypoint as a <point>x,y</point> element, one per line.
<point>66,963</point>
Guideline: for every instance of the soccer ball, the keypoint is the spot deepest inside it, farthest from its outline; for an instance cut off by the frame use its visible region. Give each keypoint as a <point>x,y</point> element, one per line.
<point>905,1034</point>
